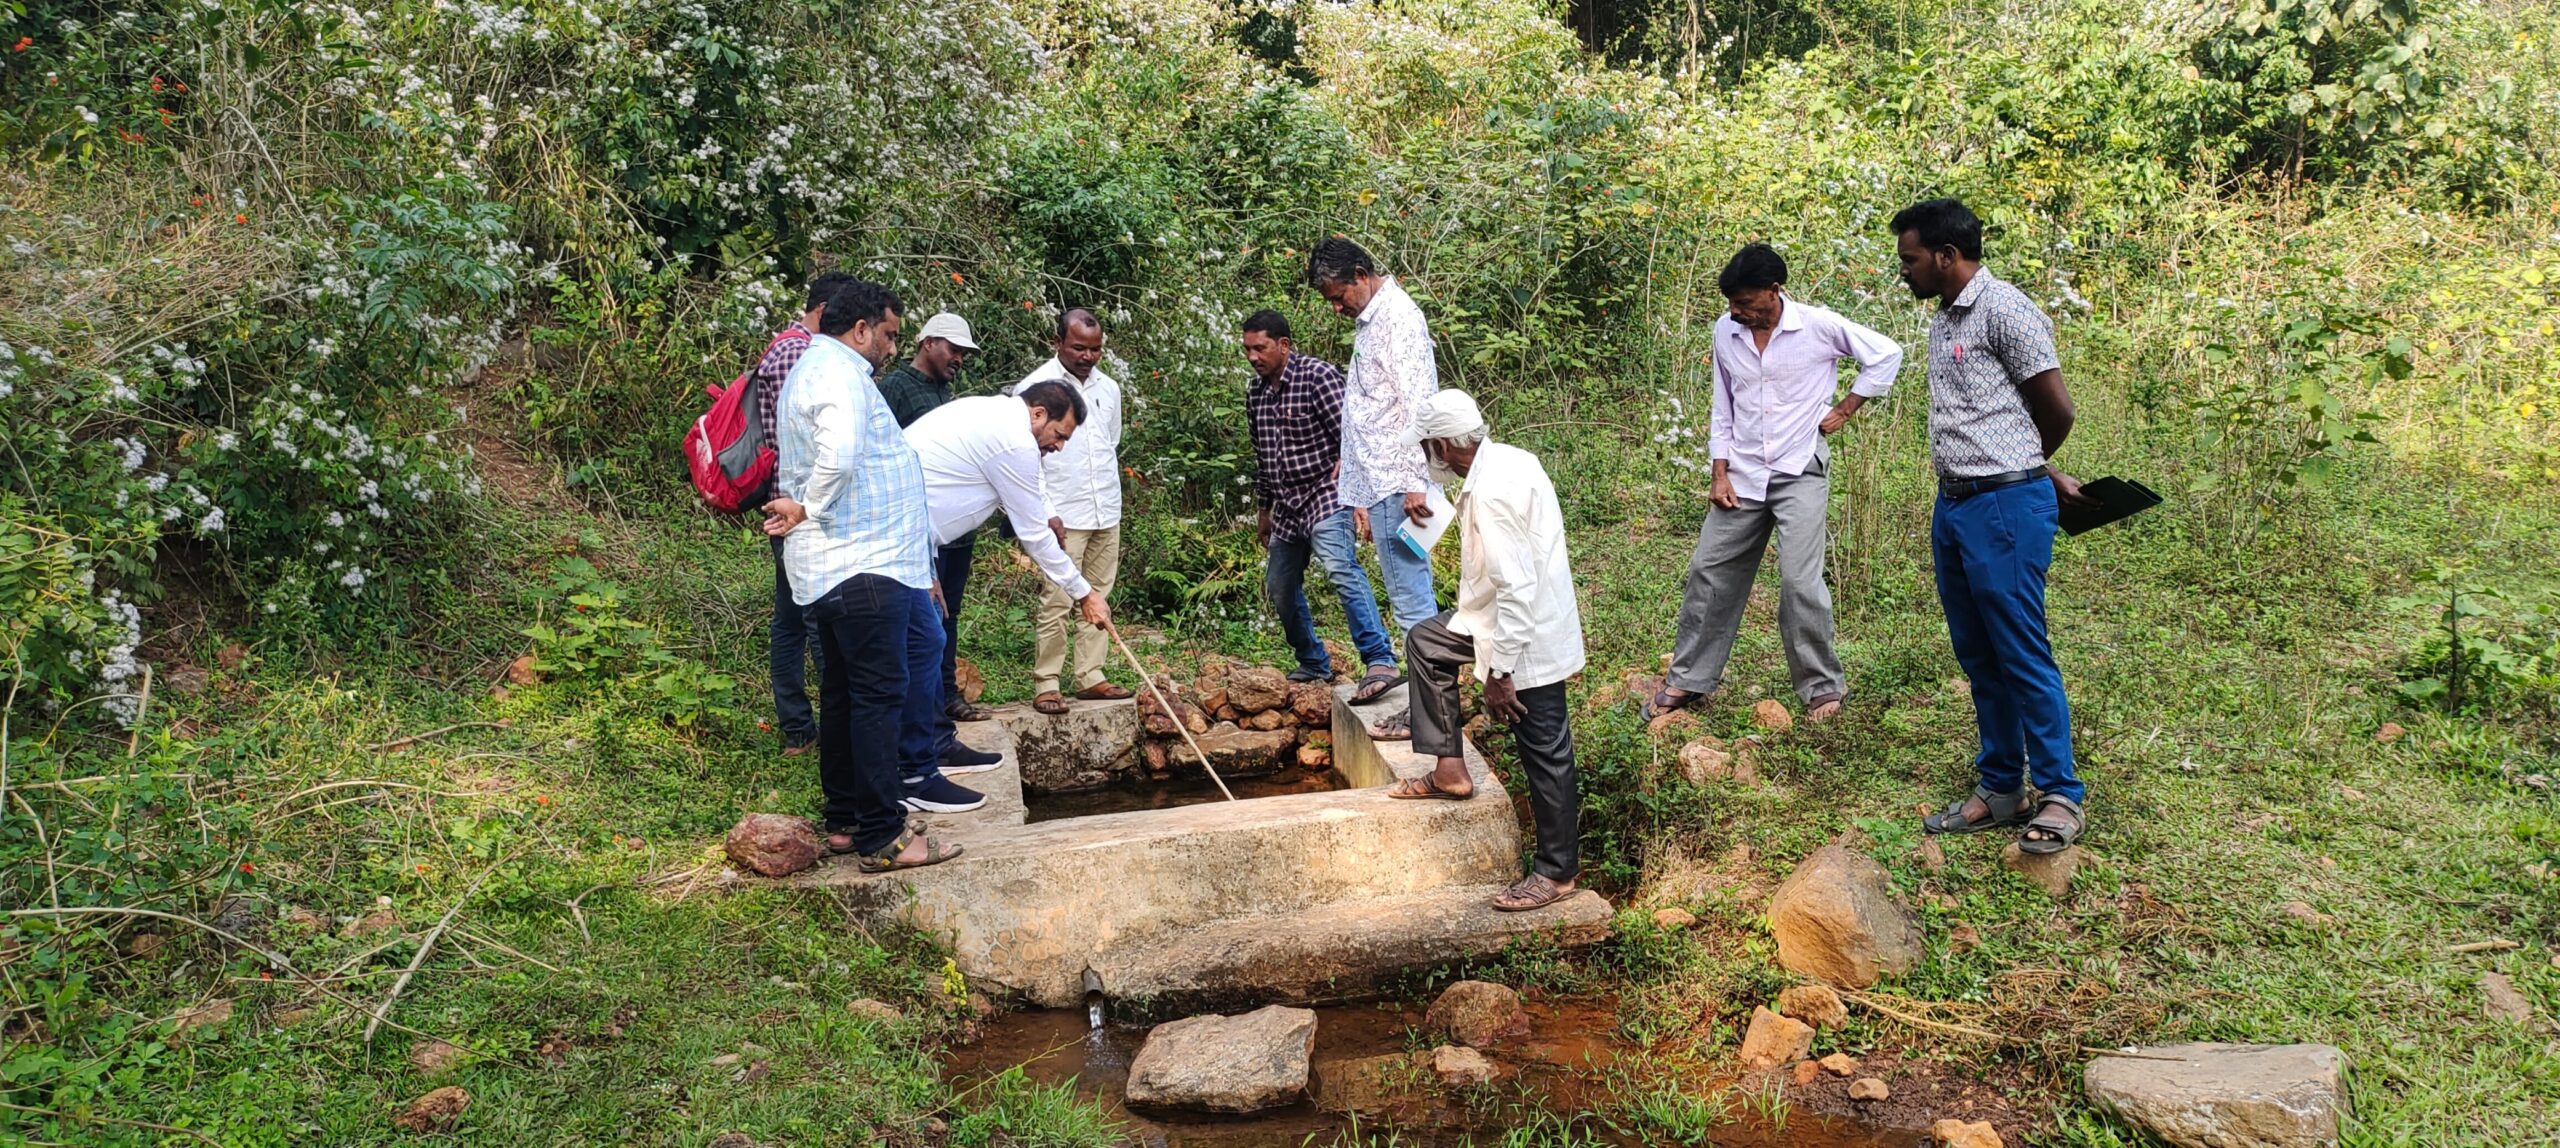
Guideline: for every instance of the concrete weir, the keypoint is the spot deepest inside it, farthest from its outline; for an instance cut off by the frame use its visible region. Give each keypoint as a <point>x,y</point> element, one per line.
<point>1296,898</point>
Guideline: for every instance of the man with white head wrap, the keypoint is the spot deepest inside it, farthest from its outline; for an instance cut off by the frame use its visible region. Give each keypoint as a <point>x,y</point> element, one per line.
<point>1517,621</point>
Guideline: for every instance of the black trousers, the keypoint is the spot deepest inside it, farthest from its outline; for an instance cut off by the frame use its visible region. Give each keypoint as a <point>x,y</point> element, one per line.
<point>1544,739</point>
<point>862,692</point>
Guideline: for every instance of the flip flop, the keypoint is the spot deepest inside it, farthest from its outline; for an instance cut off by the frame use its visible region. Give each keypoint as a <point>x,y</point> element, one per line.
<point>1424,789</point>
<point>2060,820</point>
<point>1534,891</point>
<point>1375,685</point>
<point>1663,703</point>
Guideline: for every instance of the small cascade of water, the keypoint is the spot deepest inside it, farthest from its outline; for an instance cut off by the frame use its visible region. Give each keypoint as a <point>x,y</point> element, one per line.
<point>1093,999</point>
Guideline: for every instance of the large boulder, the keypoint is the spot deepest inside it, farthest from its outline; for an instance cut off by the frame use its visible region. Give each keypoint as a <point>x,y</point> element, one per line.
<point>1091,745</point>
<point>1477,1013</point>
<point>1836,920</point>
<point>1243,752</point>
<point>774,844</point>
<point>2225,1095</point>
<point>1256,689</point>
<point>1226,1063</point>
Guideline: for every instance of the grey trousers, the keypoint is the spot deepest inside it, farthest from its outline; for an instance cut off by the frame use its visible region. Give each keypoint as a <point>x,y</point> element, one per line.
<point>1726,562</point>
<point>1432,654</point>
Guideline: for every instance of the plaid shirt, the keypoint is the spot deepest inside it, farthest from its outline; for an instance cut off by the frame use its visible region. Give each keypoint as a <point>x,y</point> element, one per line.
<point>1297,439</point>
<point>774,367</point>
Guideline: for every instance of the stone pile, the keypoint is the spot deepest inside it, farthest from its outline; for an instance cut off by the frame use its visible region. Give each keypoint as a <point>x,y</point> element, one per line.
<point>1249,720</point>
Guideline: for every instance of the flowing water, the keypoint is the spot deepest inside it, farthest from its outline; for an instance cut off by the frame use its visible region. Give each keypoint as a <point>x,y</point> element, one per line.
<point>1568,1065</point>
<point>1189,787</point>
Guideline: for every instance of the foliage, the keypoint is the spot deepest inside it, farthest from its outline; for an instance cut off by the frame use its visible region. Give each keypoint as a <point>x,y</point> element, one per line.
<point>2490,647</point>
<point>583,633</point>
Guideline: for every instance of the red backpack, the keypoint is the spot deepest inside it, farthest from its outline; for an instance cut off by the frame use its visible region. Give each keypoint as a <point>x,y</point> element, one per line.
<point>725,449</point>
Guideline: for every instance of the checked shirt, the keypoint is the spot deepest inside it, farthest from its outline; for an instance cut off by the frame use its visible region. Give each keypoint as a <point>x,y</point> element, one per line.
<point>1297,439</point>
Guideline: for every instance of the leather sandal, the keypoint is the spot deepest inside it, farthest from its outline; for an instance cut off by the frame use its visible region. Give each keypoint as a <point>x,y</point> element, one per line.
<point>1999,810</point>
<point>935,853</point>
<point>1104,692</point>
<point>2058,823</point>
<point>1424,788</point>
<point>1050,702</point>
<point>1535,891</point>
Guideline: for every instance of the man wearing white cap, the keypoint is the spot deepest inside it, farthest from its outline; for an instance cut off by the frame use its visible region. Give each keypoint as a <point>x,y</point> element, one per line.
<point>1517,622</point>
<point>914,387</point>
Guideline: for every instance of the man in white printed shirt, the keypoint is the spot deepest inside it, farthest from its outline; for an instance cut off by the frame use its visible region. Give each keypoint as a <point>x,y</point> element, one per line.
<point>1082,481</point>
<point>982,455</point>
<point>1517,622</point>
<point>850,510</point>
<point>1776,368</point>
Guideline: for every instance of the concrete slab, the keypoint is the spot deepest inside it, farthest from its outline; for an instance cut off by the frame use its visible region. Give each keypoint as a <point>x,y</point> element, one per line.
<point>1227,901</point>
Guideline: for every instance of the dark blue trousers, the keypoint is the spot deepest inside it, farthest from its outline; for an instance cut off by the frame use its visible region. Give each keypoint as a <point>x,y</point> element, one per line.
<point>794,640</point>
<point>1992,550</point>
<point>864,625</point>
<point>923,731</point>
<point>951,566</point>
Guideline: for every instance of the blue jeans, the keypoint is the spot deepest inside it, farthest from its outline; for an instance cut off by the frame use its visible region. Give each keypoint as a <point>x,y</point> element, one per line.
<point>1407,574</point>
<point>1284,583</point>
<point>863,627</point>
<point>923,730</point>
<point>1991,551</point>
<point>794,638</point>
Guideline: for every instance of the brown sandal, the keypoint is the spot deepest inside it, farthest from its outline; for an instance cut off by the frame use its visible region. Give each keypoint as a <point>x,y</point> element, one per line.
<point>1050,702</point>
<point>1104,692</point>
<point>1534,891</point>
<point>935,853</point>
<point>1423,788</point>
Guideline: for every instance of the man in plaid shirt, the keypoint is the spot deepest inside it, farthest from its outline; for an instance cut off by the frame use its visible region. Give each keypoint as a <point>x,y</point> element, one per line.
<point>794,636</point>
<point>1295,412</point>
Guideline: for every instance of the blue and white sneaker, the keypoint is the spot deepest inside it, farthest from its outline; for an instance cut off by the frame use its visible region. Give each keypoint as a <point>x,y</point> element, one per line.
<point>934,793</point>
<point>960,759</point>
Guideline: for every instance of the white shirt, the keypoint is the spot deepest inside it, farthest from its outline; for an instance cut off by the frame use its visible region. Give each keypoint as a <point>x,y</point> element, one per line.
<point>1515,583</point>
<point>1769,402</point>
<point>839,454</point>
<point>1392,371</point>
<point>979,455</point>
<point>1083,478</point>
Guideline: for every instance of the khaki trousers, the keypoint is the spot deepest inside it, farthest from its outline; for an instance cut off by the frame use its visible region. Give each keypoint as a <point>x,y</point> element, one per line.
<point>1096,554</point>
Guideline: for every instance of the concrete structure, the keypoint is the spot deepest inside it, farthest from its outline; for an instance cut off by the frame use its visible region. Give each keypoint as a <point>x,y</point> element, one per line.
<point>1297,898</point>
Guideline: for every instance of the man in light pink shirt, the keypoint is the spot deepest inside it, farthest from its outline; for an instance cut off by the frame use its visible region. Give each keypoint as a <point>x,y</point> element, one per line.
<point>1776,368</point>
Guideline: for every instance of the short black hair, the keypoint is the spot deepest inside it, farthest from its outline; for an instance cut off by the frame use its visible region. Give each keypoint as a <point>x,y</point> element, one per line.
<point>1055,397</point>
<point>857,301</point>
<point>1338,260</point>
<point>1756,266</point>
<point>825,286</point>
<point>1942,223</point>
<point>1269,322</point>
<point>1074,316</point>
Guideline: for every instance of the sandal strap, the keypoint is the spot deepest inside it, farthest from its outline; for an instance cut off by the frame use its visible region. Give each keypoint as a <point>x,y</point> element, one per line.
<point>2079,818</point>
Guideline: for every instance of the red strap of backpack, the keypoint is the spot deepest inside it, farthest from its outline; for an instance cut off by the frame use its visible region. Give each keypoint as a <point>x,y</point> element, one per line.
<point>776,341</point>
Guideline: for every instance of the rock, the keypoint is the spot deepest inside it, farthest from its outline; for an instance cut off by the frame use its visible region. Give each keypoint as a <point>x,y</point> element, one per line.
<point>1839,1064</point>
<point>1673,724</point>
<point>1458,1066</point>
<point>2503,1001</point>
<point>1952,1133</point>
<point>1212,699</point>
<point>1266,720</point>
<point>1933,856</point>
<point>1674,918</point>
<point>231,657</point>
<point>1963,938</point>
<point>2301,912</point>
<point>1241,752</point>
<point>1314,757</point>
<point>2225,1095</point>
<point>1477,1013</point>
<point>878,1012</point>
<point>143,945</point>
<point>1815,1005</point>
<point>1225,713</point>
<point>1090,745</point>
<point>2051,872</point>
<point>520,672</point>
<point>1255,690</point>
<point>1805,1073</point>
<point>1773,1040</point>
<point>1705,760</point>
<point>971,680</point>
<point>774,844</point>
<point>1835,920</point>
<point>287,1018</point>
<point>435,1111</point>
<point>1312,705</point>
<point>1186,716</point>
<point>1226,1063</point>
<point>1745,773</point>
<point>189,681</point>
<point>1868,1088</point>
<point>1771,714</point>
<point>304,919</point>
<point>2391,731</point>
<point>1157,756</point>
<point>433,1057</point>
<point>211,1014</point>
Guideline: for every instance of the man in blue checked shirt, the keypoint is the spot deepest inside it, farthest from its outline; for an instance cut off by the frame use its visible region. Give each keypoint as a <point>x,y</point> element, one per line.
<point>857,549</point>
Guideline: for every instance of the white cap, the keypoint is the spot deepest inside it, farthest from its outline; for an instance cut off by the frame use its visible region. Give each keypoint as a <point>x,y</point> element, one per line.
<point>949,327</point>
<point>1447,414</point>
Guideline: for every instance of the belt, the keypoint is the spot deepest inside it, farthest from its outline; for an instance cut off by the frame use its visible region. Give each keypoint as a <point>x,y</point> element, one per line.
<point>1968,487</point>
